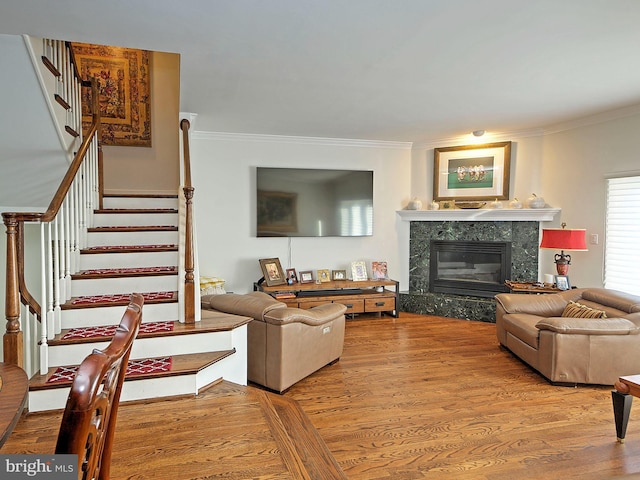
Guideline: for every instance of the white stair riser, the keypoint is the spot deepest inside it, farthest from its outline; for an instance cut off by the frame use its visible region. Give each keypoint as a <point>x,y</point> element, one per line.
<point>124,260</point>
<point>93,317</point>
<point>134,219</point>
<point>139,202</point>
<point>168,386</point>
<point>131,238</point>
<point>147,347</point>
<point>145,284</point>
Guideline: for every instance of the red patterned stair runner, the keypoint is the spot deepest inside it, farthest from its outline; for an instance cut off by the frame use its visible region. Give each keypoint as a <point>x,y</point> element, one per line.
<point>109,330</point>
<point>135,368</point>
<point>120,297</point>
<point>129,247</point>
<point>125,271</point>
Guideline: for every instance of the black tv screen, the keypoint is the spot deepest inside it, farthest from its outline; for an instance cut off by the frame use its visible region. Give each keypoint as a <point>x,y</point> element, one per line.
<point>306,202</point>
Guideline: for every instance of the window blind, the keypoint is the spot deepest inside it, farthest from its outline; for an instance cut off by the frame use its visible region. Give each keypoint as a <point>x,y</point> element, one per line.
<point>622,252</point>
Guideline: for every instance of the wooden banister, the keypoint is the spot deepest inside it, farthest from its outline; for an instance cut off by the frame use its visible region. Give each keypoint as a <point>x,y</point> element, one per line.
<point>16,287</point>
<point>63,189</point>
<point>189,286</point>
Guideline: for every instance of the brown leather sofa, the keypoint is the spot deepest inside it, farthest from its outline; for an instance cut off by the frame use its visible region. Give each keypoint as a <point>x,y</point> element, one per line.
<point>567,349</point>
<point>284,345</point>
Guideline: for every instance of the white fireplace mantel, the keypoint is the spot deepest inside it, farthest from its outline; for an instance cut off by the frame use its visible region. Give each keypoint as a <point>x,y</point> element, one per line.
<point>480,215</point>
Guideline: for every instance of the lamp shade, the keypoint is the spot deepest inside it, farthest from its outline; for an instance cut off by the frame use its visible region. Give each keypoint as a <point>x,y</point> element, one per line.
<point>564,239</point>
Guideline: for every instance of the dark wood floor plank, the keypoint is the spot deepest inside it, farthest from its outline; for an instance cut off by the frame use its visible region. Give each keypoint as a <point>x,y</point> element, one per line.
<point>411,397</point>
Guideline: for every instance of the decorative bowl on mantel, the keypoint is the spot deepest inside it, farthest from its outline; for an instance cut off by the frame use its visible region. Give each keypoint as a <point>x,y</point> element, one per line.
<point>470,205</point>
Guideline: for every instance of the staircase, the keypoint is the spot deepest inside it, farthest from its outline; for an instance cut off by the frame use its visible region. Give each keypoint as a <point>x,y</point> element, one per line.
<point>133,247</point>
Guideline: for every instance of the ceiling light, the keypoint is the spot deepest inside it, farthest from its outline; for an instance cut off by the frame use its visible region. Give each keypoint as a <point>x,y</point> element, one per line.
<point>478,133</point>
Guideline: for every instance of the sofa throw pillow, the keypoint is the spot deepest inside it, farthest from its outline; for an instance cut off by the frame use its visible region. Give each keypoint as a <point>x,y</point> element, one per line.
<point>577,310</point>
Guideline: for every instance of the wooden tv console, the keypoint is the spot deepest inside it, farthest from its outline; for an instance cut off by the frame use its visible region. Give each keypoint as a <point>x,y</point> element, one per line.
<point>358,297</point>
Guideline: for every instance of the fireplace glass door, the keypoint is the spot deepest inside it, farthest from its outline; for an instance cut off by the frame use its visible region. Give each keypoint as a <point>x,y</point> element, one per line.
<point>469,267</point>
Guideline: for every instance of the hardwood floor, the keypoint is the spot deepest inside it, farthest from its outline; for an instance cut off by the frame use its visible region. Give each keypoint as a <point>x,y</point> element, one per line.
<point>411,397</point>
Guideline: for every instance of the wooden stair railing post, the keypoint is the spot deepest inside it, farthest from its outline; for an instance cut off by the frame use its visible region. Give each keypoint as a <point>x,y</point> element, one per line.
<point>12,341</point>
<point>189,287</point>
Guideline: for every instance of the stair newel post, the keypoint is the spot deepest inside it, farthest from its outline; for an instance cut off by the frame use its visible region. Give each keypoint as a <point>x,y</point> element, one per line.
<point>12,341</point>
<point>189,287</point>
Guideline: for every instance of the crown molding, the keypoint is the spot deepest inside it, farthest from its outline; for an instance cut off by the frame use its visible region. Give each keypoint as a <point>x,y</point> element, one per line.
<point>593,119</point>
<point>333,142</point>
<point>488,137</point>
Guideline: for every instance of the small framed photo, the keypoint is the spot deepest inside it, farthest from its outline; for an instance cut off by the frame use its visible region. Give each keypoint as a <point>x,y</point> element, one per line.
<point>324,276</point>
<point>338,275</point>
<point>306,276</point>
<point>562,282</point>
<point>379,270</point>
<point>359,271</point>
<point>272,271</point>
<point>292,276</point>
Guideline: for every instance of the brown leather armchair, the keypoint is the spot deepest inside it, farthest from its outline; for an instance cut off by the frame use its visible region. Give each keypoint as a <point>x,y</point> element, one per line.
<point>567,349</point>
<point>284,345</point>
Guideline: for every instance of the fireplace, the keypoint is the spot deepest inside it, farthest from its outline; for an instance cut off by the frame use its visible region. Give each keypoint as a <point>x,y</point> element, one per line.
<point>521,235</point>
<point>469,267</point>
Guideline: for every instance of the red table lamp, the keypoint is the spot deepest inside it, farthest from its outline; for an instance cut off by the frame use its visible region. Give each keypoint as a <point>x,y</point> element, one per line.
<point>564,239</point>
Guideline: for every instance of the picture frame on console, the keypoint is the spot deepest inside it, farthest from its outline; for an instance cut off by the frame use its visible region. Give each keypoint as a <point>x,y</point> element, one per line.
<point>338,275</point>
<point>292,276</point>
<point>359,271</point>
<point>272,272</point>
<point>306,276</point>
<point>324,275</point>
<point>379,270</point>
<point>562,282</point>
<point>472,172</point>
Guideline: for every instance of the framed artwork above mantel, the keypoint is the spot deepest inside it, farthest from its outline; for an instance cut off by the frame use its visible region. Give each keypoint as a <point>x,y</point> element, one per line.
<point>472,172</point>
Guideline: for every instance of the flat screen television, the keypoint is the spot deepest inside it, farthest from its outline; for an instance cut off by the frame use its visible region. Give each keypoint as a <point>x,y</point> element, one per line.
<point>308,202</point>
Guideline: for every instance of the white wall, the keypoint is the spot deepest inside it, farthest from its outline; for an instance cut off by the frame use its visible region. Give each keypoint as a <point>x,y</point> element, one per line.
<point>576,164</point>
<point>154,169</point>
<point>223,169</point>
<point>567,166</point>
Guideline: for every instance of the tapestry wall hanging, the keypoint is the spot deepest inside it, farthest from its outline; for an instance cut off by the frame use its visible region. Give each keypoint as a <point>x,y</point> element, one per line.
<point>125,92</point>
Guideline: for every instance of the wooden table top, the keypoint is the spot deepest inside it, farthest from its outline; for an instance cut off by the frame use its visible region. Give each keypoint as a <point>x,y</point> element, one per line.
<point>527,287</point>
<point>14,387</point>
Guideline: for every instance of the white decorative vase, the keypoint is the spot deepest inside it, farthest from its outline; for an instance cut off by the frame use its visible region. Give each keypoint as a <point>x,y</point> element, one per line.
<point>515,203</point>
<point>535,202</point>
<point>415,204</point>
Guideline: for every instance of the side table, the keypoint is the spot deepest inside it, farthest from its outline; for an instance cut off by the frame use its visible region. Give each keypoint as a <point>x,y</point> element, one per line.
<point>625,389</point>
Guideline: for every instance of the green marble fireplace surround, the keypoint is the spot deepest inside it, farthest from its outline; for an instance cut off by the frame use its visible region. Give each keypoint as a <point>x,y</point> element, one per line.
<point>523,235</point>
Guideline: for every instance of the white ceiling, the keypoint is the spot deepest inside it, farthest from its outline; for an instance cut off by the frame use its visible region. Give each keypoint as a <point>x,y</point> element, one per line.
<point>399,70</point>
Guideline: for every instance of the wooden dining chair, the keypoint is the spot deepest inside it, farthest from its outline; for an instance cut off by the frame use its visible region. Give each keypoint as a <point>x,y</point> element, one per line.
<point>89,419</point>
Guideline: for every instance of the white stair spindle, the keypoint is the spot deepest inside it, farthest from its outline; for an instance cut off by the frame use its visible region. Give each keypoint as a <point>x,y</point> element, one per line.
<point>44,358</point>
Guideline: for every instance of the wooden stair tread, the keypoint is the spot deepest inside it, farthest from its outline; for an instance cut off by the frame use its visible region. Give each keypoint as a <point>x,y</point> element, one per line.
<point>123,302</point>
<point>217,322</point>
<point>139,195</point>
<point>129,249</point>
<point>125,273</point>
<point>137,228</point>
<point>128,211</point>
<point>187,364</point>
